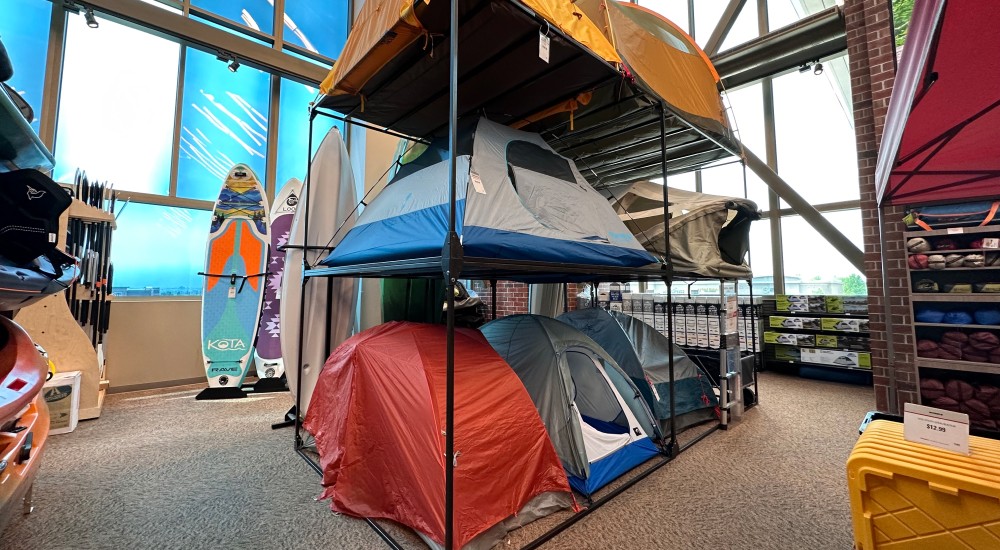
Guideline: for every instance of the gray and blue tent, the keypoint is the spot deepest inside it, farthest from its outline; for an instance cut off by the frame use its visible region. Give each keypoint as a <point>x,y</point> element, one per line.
<point>596,417</point>
<point>642,353</point>
<point>517,199</point>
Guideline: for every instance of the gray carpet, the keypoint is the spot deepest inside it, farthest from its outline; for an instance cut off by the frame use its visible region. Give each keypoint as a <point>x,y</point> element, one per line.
<point>160,470</point>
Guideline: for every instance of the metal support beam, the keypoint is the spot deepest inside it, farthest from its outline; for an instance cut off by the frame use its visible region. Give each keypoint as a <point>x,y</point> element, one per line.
<point>53,77</point>
<point>201,36</point>
<point>801,207</point>
<point>725,25</point>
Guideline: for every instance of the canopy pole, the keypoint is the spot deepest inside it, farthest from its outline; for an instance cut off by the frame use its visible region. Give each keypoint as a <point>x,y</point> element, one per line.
<point>451,271</point>
<point>304,281</point>
<point>674,448</point>
<point>493,298</point>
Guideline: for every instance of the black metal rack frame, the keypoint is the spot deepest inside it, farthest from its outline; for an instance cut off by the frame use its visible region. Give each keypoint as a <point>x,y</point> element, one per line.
<point>451,264</point>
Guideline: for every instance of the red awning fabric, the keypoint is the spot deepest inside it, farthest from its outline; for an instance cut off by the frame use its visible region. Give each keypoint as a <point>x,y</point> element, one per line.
<point>942,132</point>
<point>378,416</point>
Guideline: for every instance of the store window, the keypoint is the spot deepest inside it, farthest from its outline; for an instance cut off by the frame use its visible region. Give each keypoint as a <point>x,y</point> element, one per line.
<point>116,106</point>
<point>814,127</point>
<point>782,13</point>
<point>223,123</point>
<point>707,14</point>
<point>159,250</point>
<point>254,14</point>
<point>24,29</point>
<point>318,27</point>
<point>812,265</point>
<point>293,130</point>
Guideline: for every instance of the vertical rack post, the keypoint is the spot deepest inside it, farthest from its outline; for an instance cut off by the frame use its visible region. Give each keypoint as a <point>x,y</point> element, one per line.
<point>674,448</point>
<point>452,246</point>
<point>493,298</point>
<point>297,410</point>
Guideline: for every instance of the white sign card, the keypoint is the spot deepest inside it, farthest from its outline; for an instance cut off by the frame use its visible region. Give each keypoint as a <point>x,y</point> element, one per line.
<point>543,46</point>
<point>939,428</point>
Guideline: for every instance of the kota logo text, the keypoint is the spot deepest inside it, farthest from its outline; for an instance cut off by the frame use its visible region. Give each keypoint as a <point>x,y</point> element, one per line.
<point>227,344</point>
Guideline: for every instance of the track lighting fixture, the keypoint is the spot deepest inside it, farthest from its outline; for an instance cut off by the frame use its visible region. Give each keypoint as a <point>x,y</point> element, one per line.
<point>234,65</point>
<point>804,68</point>
<point>88,14</point>
<point>818,69</point>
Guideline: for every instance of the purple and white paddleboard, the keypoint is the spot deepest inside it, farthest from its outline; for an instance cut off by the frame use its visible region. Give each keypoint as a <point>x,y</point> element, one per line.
<point>267,354</point>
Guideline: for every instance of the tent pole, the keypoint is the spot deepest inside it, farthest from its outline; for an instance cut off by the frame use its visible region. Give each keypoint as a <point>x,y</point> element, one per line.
<point>674,448</point>
<point>493,298</point>
<point>302,299</point>
<point>565,289</point>
<point>451,268</point>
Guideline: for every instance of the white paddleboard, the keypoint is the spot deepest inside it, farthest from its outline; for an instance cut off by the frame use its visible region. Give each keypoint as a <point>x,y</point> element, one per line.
<point>330,198</point>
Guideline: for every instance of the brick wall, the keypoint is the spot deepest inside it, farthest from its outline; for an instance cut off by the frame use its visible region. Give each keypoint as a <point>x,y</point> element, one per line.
<point>512,297</point>
<point>869,47</point>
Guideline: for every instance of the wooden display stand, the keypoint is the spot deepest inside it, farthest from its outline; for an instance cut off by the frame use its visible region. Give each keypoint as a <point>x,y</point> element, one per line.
<point>52,326</point>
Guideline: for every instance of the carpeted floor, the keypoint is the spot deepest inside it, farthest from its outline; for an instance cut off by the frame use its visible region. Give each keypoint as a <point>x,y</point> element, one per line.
<point>160,470</point>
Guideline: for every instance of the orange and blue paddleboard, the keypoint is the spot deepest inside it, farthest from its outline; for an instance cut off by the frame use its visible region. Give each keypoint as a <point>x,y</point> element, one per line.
<point>235,278</point>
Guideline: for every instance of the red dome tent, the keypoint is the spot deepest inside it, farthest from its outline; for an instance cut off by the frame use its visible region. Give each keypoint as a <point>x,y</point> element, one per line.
<point>378,416</point>
<point>942,131</point>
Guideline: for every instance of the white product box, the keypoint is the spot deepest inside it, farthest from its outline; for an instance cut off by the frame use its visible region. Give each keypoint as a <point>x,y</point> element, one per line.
<point>62,395</point>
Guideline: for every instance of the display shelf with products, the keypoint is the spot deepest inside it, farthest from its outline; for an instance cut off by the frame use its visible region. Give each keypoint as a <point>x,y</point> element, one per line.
<point>955,304</point>
<point>819,332</point>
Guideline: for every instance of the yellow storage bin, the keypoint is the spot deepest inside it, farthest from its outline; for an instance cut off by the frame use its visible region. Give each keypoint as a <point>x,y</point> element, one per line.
<point>908,496</point>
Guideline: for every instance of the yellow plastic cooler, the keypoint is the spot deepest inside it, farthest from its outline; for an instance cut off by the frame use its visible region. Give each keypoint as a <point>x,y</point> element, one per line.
<point>910,496</point>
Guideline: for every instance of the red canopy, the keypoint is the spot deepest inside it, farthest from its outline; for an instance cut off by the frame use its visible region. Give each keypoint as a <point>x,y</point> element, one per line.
<point>378,415</point>
<point>942,132</point>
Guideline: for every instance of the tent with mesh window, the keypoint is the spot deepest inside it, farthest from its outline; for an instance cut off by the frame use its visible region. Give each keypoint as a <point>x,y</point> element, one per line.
<point>595,416</point>
<point>516,199</point>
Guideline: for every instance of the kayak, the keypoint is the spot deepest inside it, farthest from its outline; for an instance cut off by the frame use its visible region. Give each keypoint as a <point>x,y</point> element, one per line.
<point>23,284</point>
<point>24,417</point>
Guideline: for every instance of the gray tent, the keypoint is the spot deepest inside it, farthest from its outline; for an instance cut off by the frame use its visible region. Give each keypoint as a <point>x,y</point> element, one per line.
<point>596,417</point>
<point>709,234</point>
<point>641,352</point>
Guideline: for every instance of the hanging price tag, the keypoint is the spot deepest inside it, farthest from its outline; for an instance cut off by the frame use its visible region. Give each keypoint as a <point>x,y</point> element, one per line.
<point>936,427</point>
<point>232,292</point>
<point>543,46</point>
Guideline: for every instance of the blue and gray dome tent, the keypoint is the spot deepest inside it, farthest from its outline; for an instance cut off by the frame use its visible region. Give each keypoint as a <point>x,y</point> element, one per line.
<point>517,199</point>
<point>596,417</point>
<point>641,352</point>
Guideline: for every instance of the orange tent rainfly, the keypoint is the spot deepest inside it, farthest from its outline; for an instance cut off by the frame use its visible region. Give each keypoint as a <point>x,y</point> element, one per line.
<point>378,416</point>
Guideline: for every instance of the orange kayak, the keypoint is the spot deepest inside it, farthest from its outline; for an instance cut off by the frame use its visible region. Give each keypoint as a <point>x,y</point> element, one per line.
<point>24,417</point>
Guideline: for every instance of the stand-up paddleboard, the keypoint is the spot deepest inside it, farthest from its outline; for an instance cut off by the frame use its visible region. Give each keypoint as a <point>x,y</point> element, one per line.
<point>267,356</point>
<point>235,265</point>
<point>329,198</point>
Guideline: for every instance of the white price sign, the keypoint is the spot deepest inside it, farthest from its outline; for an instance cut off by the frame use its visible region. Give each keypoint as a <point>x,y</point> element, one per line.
<point>939,428</point>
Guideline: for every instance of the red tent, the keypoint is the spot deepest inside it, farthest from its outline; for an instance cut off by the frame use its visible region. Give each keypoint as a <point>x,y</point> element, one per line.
<point>378,416</point>
<point>942,132</point>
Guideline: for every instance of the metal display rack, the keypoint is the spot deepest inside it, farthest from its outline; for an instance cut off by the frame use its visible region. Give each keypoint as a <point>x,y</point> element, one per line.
<point>700,150</point>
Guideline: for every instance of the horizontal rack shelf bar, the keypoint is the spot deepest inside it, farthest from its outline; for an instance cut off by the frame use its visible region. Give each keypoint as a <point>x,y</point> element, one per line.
<point>950,364</point>
<point>808,364</point>
<point>953,231</point>
<point>956,325</point>
<point>947,269</point>
<point>957,297</point>
<point>955,251</point>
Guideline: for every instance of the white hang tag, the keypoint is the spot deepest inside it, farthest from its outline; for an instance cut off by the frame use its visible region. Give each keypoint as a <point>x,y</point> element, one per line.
<point>939,428</point>
<point>232,291</point>
<point>477,183</point>
<point>543,46</point>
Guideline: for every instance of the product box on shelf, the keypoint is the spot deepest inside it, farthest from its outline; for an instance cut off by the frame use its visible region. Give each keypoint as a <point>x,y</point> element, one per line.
<point>660,313</point>
<point>62,395</point>
<point>837,358</point>
<point>627,303</point>
<point>680,324</point>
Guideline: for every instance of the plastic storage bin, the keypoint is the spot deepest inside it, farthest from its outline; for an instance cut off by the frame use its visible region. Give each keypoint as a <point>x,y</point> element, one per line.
<point>909,496</point>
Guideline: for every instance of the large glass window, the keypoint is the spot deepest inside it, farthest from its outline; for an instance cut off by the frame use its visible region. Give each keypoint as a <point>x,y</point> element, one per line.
<point>24,29</point>
<point>159,250</point>
<point>254,14</point>
<point>707,14</point>
<point>812,265</point>
<point>814,126</point>
<point>319,27</point>
<point>293,130</point>
<point>674,10</point>
<point>116,106</point>
<point>223,123</point>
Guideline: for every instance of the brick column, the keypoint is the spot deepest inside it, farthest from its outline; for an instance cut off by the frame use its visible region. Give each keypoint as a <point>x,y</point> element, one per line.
<point>869,47</point>
<point>512,297</point>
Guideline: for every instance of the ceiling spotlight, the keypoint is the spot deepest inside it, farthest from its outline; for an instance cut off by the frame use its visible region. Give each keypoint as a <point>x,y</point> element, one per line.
<point>233,65</point>
<point>818,69</point>
<point>88,14</point>
<point>804,68</point>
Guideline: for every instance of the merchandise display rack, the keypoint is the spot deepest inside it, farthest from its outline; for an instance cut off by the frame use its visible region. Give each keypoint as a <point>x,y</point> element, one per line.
<point>452,265</point>
<point>946,370</point>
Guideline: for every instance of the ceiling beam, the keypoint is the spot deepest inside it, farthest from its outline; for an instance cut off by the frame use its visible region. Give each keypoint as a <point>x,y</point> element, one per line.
<point>725,25</point>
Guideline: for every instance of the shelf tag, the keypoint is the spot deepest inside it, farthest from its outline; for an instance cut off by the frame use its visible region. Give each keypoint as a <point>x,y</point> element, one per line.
<point>543,46</point>
<point>232,292</point>
<point>991,243</point>
<point>939,428</point>
<point>477,183</point>
<point>956,230</point>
